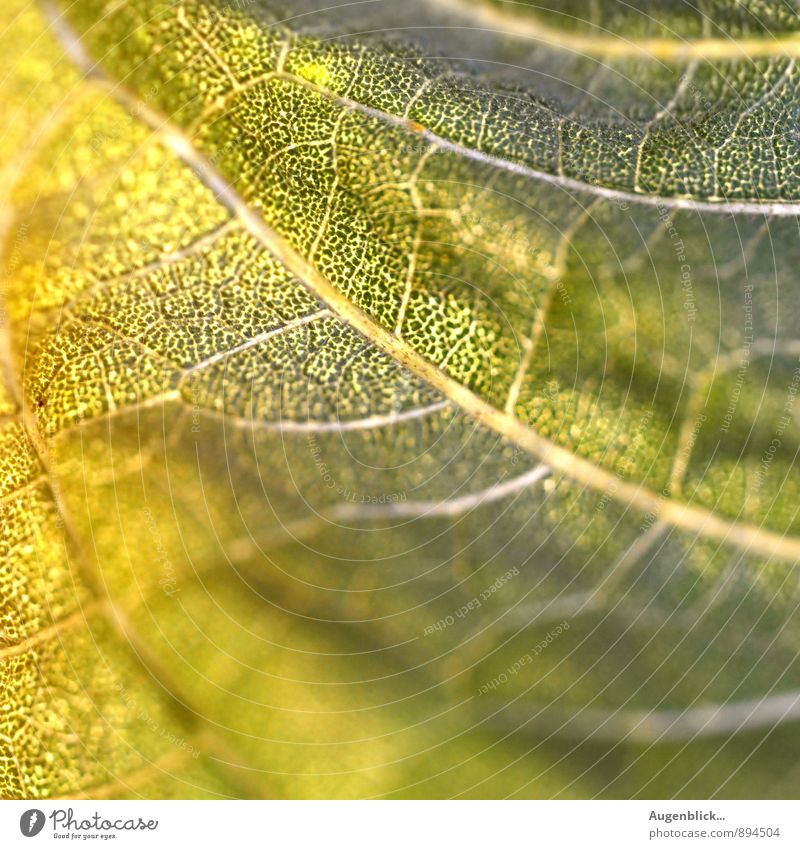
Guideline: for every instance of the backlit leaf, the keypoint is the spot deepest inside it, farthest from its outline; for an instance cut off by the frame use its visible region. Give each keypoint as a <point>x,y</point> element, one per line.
<point>383,423</point>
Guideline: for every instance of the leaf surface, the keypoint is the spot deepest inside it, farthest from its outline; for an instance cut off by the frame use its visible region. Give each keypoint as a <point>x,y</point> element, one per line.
<point>350,376</point>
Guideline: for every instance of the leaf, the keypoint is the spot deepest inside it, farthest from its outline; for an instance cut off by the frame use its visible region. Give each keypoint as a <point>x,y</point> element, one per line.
<point>410,426</point>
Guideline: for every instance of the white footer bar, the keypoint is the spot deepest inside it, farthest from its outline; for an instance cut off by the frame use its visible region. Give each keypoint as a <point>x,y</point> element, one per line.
<point>403,825</point>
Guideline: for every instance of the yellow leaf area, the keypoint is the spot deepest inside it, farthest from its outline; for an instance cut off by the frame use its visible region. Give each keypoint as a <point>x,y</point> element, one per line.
<point>137,659</point>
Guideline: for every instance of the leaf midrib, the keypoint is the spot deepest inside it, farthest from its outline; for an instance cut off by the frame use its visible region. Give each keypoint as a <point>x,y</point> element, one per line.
<point>778,208</point>
<point>697,520</point>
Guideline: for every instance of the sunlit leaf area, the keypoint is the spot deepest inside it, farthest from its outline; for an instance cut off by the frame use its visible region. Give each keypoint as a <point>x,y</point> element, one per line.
<point>399,399</point>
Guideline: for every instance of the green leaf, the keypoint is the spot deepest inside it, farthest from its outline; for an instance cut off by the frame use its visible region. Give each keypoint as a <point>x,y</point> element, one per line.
<point>410,426</point>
